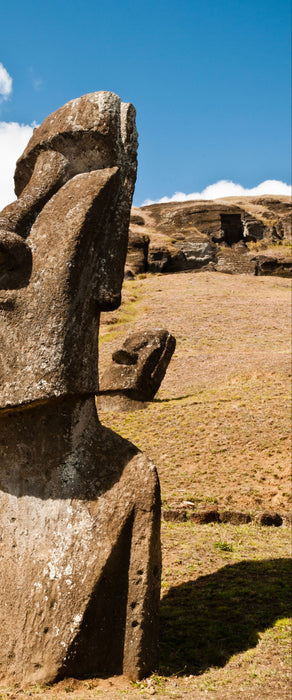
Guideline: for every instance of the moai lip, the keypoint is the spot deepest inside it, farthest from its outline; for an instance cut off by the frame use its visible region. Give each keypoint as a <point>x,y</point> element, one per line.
<point>80,506</point>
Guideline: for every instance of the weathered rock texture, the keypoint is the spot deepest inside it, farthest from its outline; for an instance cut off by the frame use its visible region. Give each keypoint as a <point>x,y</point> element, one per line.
<point>137,368</point>
<point>210,235</point>
<point>80,506</point>
<point>75,180</point>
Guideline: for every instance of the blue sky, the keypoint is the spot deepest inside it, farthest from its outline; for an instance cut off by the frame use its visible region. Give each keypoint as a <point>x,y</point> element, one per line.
<point>210,82</point>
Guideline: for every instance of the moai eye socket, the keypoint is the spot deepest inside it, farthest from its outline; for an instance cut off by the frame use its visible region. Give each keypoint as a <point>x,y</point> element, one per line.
<point>15,261</point>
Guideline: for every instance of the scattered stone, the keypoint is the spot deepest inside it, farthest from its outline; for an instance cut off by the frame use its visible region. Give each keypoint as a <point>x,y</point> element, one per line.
<point>138,367</point>
<point>185,511</point>
<point>203,517</point>
<point>270,518</point>
<point>234,517</point>
<point>79,505</point>
<point>175,515</point>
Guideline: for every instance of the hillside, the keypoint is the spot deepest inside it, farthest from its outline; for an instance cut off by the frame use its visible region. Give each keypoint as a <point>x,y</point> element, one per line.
<point>247,235</point>
<point>222,413</point>
<point>219,434</point>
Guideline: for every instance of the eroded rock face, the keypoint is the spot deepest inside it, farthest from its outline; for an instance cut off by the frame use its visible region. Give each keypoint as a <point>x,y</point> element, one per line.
<point>270,265</point>
<point>210,235</point>
<point>80,506</point>
<point>138,367</point>
<point>137,258</point>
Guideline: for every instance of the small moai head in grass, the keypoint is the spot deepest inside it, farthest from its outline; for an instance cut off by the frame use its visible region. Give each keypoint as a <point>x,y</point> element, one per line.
<point>139,366</point>
<point>63,244</point>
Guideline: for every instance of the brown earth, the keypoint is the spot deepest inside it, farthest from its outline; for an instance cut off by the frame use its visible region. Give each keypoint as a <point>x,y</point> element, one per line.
<point>219,433</point>
<point>224,405</point>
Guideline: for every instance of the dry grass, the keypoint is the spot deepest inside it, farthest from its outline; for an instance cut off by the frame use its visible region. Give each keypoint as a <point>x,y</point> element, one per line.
<point>219,432</point>
<point>219,428</point>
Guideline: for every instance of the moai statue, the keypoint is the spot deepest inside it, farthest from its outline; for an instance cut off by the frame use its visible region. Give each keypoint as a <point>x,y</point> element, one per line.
<point>80,506</point>
<point>137,370</point>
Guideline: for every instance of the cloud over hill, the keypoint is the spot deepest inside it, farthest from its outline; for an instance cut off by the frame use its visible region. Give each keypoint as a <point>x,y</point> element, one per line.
<point>14,137</point>
<point>227,188</point>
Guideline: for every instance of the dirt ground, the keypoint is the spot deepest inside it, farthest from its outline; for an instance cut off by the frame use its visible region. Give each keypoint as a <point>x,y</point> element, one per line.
<point>219,433</point>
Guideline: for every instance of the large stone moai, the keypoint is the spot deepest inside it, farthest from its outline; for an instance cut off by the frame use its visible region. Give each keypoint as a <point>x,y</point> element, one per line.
<point>79,505</point>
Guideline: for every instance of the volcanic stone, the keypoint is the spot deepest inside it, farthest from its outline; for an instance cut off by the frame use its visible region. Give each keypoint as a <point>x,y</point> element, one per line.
<point>234,517</point>
<point>138,368</point>
<point>270,518</point>
<point>80,506</point>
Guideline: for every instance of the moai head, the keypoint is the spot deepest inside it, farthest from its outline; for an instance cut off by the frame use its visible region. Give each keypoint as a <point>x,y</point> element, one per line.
<point>139,366</point>
<point>63,245</point>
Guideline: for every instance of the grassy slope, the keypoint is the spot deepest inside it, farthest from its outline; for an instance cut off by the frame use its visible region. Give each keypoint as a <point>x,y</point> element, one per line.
<point>219,428</point>
<point>219,432</point>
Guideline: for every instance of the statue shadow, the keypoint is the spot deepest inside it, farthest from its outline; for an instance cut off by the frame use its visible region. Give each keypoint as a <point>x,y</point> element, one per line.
<point>171,399</point>
<point>205,622</point>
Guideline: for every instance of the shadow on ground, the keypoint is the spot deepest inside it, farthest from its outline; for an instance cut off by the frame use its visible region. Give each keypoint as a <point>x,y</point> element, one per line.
<point>206,621</point>
<point>173,398</point>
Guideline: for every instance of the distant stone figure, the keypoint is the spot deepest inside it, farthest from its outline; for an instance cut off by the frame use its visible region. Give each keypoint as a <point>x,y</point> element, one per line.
<point>80,506</point>
<point>139,366</point>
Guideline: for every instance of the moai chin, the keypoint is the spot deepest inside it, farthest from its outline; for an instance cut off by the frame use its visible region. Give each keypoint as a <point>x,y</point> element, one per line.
<point>80,506</point>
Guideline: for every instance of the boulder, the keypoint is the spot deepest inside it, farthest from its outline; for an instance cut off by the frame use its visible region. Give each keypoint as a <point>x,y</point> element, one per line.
<point>271,265</point>
<point>137,256</point>
<point>203,517</point>
<point>175,515</point>
<point>270,518</point>
<point>80,506</point>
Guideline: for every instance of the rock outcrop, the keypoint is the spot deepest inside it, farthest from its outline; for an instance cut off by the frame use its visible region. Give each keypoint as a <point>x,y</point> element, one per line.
<point>210,235</point>
<point>137,369</point>
<point>80,506</point>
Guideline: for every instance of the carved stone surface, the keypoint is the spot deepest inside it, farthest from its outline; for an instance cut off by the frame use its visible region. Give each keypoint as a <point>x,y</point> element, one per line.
<point>80,506</point>
<point>139,366</point>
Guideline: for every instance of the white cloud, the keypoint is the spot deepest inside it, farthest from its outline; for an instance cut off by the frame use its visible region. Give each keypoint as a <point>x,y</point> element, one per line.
<point>227,188</point>
<point>5,83</point>
<point>13,139</point>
